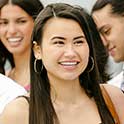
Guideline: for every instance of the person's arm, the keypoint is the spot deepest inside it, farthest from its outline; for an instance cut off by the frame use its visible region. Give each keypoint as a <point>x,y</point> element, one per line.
<point>16,112</point>
<point>117,98</point>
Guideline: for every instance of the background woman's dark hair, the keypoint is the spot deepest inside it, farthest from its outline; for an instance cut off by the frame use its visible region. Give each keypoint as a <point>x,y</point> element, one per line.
<point>2,60</point>
<point>32,7</point>
<point>41,108</point>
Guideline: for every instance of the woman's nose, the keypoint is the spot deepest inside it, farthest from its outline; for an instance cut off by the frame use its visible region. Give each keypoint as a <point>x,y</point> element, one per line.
<point>11,29</point>
<point>70,51</point>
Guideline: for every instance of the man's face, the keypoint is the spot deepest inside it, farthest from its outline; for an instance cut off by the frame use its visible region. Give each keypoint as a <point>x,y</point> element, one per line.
<point>111,28</point>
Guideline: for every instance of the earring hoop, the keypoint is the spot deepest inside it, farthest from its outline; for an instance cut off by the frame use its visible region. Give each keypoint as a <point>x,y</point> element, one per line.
<point>36,62</point>
<point>92,64</point>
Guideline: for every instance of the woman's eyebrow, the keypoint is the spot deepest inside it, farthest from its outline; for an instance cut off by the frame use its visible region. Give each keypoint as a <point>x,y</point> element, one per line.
<point>62,38</point>
<point>58,37</point>
<point>79,37</point>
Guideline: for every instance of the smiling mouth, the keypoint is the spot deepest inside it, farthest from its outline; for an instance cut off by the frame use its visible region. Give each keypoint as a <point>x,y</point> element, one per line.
<point>68,63</point>
<point>14,40</point>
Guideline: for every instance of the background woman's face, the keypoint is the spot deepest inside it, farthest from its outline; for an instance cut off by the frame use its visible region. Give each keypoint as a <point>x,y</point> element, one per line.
<point>15,28</point>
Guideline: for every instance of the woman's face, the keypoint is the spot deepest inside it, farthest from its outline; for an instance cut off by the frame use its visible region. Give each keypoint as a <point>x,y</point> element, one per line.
<point>64,49</point>
<point>15,28</point>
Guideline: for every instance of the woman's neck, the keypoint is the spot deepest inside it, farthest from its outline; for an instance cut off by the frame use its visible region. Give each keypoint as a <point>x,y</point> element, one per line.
<point>68,92</point>
<point>21,72</point>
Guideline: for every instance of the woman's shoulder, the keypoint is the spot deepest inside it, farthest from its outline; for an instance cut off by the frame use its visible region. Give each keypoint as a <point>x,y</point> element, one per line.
<point>117,97</point>
<point>16,112</point>
<point>113,91</point>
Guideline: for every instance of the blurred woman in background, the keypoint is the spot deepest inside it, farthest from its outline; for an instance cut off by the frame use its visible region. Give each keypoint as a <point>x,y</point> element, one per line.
<point>16,24</point>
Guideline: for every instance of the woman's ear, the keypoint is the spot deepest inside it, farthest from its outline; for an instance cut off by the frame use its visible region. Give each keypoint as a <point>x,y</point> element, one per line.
<point>37,50</point>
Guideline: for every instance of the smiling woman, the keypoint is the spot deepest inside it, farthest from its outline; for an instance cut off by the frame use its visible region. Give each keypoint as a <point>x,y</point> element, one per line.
<point>69,50</point>
<point>66,42</point>
<point>16,24</point>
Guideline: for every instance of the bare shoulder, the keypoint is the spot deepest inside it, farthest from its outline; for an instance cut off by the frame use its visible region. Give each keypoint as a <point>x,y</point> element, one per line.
<point>16,112</point>
<point>117,98</point>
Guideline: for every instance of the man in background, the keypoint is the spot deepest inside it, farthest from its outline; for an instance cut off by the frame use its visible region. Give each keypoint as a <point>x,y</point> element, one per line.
<point>109,18</point>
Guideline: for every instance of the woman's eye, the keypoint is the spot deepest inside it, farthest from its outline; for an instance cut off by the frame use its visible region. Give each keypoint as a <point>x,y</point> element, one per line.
<point>79,42</point>
<point>60,43</point>
<point>21,21</point>
<point>3,22</point>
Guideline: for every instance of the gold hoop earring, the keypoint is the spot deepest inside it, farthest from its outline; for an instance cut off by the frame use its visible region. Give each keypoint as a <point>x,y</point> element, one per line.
<point>92,64</point>
<point>36,61</point>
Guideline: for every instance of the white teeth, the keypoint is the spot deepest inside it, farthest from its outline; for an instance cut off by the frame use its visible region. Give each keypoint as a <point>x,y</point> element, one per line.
<point>69,63</point>
<point>14,39</point>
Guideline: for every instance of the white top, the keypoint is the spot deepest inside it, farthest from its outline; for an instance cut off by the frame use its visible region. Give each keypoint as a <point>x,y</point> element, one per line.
<point>117,80</point>
<point>9,90</point>
<point>113,68</point>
